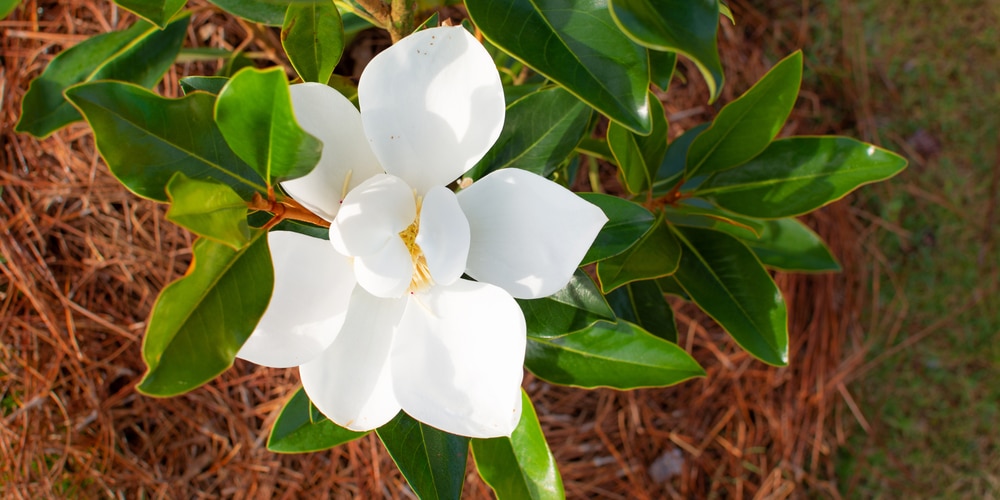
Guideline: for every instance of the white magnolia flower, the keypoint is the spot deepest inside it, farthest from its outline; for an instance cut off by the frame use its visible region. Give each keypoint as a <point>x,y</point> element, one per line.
<point>381,319</point>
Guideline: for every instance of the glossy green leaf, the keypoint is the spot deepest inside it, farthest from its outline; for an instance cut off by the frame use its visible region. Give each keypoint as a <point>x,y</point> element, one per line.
<point>269,12</point>
<point>140,54</point>
<point>145,139</point>
<point>301,428</point>
<point>158,12</point>
<point>685,26</point>
<point>700,213</point>
<point>661,68</point>
<point>8,6</point>
<point>800,174</point>
<point>627,223</point>
<point>643,303</point>
<point>638,157</point>
<point>313,38</point>
<point>211,84</point>
<point>432,461</point>
<point>539,132</point>
<point>200,321</point>
<point>598,148</point>
<point>209,209</point>
<point>656,254</point>
<point>671,170</point>
<point>787,245</point>
<point>521,466</point>
<point>577,45</point>
<point>618,355</point>
<point>578,305</point>
<point>254,114</point>
<point>726,280</point>
<point>726,12</point>
<point>747,125</point>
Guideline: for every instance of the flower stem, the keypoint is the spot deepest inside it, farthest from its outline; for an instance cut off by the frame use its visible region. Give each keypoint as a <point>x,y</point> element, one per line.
<point>402,19</point>
<point>378,9</point>
<point>285,209</point>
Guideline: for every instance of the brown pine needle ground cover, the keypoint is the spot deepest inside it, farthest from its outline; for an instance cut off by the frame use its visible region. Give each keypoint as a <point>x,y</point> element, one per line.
<point>83,261</point>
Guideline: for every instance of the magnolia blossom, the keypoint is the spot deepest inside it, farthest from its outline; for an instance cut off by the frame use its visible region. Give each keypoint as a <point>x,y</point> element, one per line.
<point>380,318</point>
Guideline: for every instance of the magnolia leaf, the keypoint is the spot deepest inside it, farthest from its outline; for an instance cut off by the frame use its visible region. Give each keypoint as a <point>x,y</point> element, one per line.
<point>157,12</point>
<point>577,45</point>
<point>200,321</point>
<point>798,175</point>
<point>655,255</point>
<point>700,213</point>
<point>661,68</point>
<point>671,169</point>
<point>787,245</point>
<point>8,6</point>
<point>627,223</point>
<point>617,355</point>
<point>269,12</point>
<point>578,305</point>
<point>254,114</point>
<point>211,84</point>
<point>638,157</point>
<point>301,428</point>
<point>209,209</point>
<point>747,125</point>
<point>313,38</point>
<point>145,139</point>
<point>724,278</point>
<point>521,466</point>
<point>140,54</point>
<point>431,460</point>
<point>643,303</point>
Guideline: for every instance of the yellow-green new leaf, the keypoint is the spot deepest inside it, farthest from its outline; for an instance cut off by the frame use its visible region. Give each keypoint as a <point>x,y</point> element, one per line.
<point>209,209</point>
<point>313,38</point>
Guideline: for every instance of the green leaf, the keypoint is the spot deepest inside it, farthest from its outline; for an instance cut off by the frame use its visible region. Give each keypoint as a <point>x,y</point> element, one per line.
<point>576,45</point>
<point>301,428</point>
<point>432,461</point>
<point>575,307</point>
<point>200,321</point>
<point>617,355</point>
<point>269,12</point>
<point>724,278</point>
<point>661,68</point>
<point>798,175</point>
<point>655,255</point>
<point>685,26</point>
<point>140,54</point>
<point>540,131</point>
<point>787,245</point>
<point>7,6</point>
<point>211,84</point>
<point>254,114</point>
<point>643,303</point>
<point>671,169</point>
<point>157,12</point>
<point>638,157</point>
<point>209,209</point>
<point>313,38</point>
<point>747,125</point>
<point>521,466</point>
<point>700,213</point>
<point>145,138</point>
<point>627,223</point>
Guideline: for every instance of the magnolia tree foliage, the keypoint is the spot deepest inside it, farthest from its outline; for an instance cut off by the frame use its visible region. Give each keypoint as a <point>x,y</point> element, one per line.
<point>410,242</point>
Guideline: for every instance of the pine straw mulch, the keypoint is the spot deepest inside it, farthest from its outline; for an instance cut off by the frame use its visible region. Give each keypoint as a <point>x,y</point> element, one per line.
<point>83,261</point>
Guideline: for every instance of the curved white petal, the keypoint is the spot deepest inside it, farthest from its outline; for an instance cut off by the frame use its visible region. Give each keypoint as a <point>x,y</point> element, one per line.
<point>372,214</point>
<point>432,105</point>
<point>457,361</point>
<point>351,381</point>
<point>528,233</point>
<point>386,273</point>
<point>443,235</point>
<point>312,285</point>
<point>331,118</point>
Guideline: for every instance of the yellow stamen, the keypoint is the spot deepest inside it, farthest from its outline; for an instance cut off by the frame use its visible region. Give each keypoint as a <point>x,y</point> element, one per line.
<point>347,184</point>
<point>421,273</point>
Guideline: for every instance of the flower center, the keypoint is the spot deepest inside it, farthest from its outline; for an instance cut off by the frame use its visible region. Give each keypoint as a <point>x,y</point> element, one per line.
<point>421,274</point>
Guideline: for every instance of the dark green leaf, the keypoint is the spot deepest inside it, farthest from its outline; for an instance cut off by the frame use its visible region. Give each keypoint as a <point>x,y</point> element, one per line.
<point>271,13</point>
<point>432,461</point>
<point>726,280</point>
<point>209,209</point>
<point>643,303</point>
<point>598,148</point>
<point>313,38</point>
<point>618,355</point>
<point>145,138</point>
<point>747,125</point>
<point>521,466</point>
<point>661,68</point>
<point>540,131</point>
<point>577,45</point>
<point>653,256</point>
<point>577,306</point>
<point>211,84</point>
<point>638,157</point>
<point>300,428</point>
<point>254,114</point>
<point>800,174</point>
<point>200,321</point>
<point>7,6</point>
<point>788,245</point>
<point>140,54</point>
<point>627,223</point>
<point>685,26</point>
<point>700,213</point>
<point>671,170</point>
<point>157,12</point>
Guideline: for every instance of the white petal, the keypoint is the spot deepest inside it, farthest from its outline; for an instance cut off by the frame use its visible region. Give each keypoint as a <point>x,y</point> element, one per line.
<point>528,233</point>
<point>458,359</point>
<point>386,273</point>
<point>351,381</point>
<point>432,105</point>
<point>331,118</point>
<point>443,235</point>
<point>312,285</point>
<point>372,214</point>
